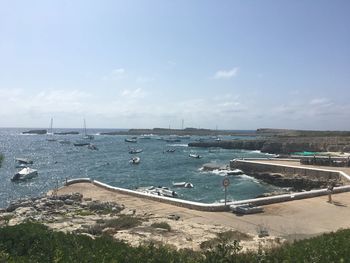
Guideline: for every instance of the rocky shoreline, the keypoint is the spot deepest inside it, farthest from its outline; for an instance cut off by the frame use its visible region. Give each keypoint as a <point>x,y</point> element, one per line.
<point>75,214</point>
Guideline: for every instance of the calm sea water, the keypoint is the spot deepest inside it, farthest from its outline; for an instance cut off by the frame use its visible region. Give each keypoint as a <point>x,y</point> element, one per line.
<point>110,164</point>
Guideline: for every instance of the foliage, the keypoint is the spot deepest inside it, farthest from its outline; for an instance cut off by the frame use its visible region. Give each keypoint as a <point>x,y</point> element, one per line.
<point>31,242</point>
<point>162,225</point>
<point>123,222</point>
<point>228,236</point>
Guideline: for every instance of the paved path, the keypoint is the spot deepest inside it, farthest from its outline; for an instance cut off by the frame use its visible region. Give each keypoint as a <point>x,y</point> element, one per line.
<point>290,219</point>
<point>297,163</point>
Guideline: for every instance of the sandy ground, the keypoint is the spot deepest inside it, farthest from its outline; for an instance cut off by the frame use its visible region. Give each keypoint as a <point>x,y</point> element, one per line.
<point>289,220</point>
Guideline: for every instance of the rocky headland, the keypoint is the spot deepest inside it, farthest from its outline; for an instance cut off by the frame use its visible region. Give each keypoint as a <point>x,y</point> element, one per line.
<point>283,145</point>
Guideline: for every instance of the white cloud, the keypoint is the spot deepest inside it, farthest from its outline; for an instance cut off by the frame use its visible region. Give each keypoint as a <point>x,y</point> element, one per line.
<point>117,73</point>
<point>226,74</point>
<point>133,94</point>
<point>320,101</point>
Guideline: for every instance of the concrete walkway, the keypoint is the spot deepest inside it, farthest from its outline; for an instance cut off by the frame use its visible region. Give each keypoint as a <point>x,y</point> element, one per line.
<point>294,219</point>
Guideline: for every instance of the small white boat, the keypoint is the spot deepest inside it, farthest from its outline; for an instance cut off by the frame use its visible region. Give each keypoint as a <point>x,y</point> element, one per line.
<point>24,174</point>
<point>197,156</point>
<point>135,160</point>
<point>183,184</point>
<point>135,151</point>
<point>132,140</point>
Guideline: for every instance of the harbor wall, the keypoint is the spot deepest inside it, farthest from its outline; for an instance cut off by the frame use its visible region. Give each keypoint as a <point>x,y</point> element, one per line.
<point>258,166</point>
<point>213,207</point>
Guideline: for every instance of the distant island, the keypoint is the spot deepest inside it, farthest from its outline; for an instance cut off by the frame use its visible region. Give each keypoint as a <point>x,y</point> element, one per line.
<point>283,141</point>
<point>35,132</point>
<point>180,132</point>
<point>43,131</point>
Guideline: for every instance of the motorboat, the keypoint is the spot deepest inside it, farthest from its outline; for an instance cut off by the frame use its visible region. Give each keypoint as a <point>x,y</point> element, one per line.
<point>159,190</point>
<point>135,151</point>
<point>172,140</point>
<point>23,161</point>
<point>92,147</point>
<point>24,174</point>
<point>132,140</point>
<point>135,160</point>
<point>183,184</point>
<point>81,143</point>
<point>196,156</point>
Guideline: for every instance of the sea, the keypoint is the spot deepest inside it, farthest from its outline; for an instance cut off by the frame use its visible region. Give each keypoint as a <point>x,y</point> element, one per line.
<point>110,164</point>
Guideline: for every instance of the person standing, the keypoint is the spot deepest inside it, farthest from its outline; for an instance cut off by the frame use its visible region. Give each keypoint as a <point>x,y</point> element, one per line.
<point>330,192</point>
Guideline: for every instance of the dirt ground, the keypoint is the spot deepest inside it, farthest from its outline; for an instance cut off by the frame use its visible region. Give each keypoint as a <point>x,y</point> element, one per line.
<point>290,220</point>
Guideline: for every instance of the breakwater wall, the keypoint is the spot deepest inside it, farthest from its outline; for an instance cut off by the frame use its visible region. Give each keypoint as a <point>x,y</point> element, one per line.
<point>214,207</point>
<point>258,166</point>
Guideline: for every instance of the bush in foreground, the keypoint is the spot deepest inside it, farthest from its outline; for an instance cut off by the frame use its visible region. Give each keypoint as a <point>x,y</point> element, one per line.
<point>36,243</point>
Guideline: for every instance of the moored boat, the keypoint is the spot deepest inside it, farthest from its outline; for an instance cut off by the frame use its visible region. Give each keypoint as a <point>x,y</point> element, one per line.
<point>132,140</point>
<point>196,156</point>
<point>135,160</point>
<point>24,174</point>
<point>135,151</point>
<point>183,184</point>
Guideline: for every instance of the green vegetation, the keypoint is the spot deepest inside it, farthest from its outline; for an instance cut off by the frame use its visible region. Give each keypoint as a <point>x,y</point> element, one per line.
<point>162,225</point>
<point>31,242</point>
<point>1,158</point>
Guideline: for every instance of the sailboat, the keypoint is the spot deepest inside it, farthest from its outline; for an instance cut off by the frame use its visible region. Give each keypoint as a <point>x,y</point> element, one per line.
<point>51,139</point>
<point>87,136</point>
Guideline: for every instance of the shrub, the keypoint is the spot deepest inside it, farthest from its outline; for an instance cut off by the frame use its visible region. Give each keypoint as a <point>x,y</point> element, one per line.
<point>162,225</point>
<point>123,222</point>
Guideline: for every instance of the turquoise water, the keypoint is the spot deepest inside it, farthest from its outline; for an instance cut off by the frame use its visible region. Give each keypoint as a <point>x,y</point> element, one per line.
<point>110,164</point>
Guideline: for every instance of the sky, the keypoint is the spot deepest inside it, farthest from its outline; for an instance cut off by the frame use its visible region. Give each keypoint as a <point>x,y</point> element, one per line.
<point>153,63</point>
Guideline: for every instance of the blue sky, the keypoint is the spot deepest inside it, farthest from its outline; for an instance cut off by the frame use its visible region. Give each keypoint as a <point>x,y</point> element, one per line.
<point>132,64</point>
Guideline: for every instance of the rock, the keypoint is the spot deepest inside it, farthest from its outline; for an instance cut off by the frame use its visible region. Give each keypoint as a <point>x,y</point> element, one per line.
<point>213,166</point>
<point>173,217</point>
<point>53,202</point>
<point>13,206</point>
<point>74,196</point>
<point>87,199</point>
<point>25,211</point>
<point>69,202</point>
